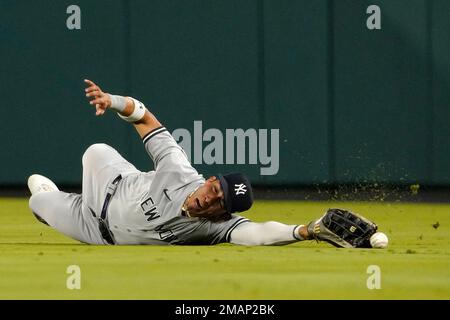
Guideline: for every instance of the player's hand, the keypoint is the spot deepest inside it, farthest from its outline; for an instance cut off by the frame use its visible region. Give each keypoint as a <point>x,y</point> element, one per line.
<point>100,99</point>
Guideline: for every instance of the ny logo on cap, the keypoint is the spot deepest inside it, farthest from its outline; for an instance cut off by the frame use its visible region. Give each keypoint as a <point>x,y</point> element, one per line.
<point>240,188</point>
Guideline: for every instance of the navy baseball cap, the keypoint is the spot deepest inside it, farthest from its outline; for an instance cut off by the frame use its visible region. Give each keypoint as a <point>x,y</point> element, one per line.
<point>237,190</point>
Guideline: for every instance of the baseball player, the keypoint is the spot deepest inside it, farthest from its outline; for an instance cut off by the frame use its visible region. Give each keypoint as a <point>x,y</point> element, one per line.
<point>171,205</point>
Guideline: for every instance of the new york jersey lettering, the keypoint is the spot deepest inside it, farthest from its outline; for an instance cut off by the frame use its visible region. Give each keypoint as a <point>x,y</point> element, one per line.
<point>149,209</point>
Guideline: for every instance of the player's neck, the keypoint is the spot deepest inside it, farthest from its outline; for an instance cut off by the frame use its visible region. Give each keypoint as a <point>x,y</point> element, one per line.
<point>184,209</point>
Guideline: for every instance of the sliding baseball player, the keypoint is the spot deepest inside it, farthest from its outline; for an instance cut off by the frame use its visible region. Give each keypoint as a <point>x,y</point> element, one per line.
<point>172,204</point>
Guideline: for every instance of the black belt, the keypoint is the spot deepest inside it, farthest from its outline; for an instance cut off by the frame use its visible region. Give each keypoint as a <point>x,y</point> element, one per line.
<point>102,220</point>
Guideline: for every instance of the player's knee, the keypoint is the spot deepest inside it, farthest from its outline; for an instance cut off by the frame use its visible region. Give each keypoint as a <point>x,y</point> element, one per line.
<point>37,204</point>
<point>93,151</point>
<point>34,210</point>
<point>31,203</point>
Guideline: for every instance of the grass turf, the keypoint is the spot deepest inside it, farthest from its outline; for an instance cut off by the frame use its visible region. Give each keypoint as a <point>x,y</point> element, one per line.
<point>34,260</point>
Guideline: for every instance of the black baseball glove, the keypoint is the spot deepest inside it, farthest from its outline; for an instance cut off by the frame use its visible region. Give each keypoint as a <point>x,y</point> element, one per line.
<point>343,228</point>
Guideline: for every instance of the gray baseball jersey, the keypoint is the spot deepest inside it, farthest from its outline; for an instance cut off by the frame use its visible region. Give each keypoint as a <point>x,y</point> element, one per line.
<point>146,207</point>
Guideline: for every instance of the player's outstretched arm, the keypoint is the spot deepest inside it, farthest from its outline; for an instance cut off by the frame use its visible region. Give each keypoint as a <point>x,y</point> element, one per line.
<point>126,107</point>
<point>267,234</point>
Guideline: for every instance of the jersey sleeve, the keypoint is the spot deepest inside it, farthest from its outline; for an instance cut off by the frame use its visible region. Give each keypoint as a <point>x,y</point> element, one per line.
<point>220,231</point>
<point>164,150</point>
<point>206,232</point>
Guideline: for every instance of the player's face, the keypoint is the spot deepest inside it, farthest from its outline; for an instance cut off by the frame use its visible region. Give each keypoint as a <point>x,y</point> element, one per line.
<point>208,200</point>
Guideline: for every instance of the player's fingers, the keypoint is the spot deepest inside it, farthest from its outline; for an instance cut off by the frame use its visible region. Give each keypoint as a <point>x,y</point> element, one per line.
<point>91,88</point>
<point>94,93</point>
<point>99,111</point>
<point>96,101</point>
<point>89,82</point>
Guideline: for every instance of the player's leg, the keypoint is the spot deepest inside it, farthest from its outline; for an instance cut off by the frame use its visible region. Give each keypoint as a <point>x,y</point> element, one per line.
<point>267,233</point>
<point>63,212</point>
<point>36,184</point>
<point>71,213</point>
<point>101,156</point>
<point>101,165</point>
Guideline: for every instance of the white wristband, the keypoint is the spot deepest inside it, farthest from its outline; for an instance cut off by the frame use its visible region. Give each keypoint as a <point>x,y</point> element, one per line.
<point>118,103</point>
<point>138,112</point>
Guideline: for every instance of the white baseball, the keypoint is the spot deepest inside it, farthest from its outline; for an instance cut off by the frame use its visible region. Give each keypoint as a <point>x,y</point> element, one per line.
<point>379,240</point>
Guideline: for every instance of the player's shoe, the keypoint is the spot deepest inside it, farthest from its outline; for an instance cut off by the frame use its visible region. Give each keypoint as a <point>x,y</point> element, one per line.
<point>38,183</point>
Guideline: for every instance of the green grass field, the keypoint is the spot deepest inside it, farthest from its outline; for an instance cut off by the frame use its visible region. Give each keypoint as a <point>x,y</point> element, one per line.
<point>34,259</point>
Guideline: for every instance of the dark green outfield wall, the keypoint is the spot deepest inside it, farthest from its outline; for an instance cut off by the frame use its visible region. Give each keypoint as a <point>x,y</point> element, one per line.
<point>351,104</point>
